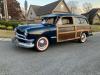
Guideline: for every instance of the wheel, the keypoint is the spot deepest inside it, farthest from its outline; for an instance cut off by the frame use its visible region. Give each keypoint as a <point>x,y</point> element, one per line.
<point>42,44</point>
<point>83,38</point>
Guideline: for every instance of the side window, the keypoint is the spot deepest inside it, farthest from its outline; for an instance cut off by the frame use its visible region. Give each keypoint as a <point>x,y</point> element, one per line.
<point>67,20</point>
<point>77,20</point>
<point>81,21</point>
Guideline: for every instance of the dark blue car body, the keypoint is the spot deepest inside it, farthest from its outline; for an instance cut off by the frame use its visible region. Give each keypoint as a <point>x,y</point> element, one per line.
<point>38,30</point>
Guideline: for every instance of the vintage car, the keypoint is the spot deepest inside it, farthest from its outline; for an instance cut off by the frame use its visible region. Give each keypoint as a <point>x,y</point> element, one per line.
<point>53,28</point>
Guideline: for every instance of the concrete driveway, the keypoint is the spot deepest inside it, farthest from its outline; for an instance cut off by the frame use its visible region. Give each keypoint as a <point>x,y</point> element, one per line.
<point>70,58</point>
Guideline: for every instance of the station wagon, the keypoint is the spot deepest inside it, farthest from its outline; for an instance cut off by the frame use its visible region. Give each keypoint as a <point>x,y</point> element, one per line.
<point>53,28</point>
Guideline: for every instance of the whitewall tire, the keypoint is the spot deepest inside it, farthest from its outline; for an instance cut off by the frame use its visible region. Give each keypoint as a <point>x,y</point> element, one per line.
<point>42,44</point>
<point>83,38</point>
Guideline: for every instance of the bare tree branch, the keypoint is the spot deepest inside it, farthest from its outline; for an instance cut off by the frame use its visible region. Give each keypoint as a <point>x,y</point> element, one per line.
<point>87,7</point>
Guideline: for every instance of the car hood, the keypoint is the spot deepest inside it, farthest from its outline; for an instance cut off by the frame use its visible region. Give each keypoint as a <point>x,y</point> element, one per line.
<point>35,27</point>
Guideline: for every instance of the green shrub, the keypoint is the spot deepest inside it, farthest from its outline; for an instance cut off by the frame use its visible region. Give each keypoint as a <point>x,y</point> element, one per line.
<point>12,24</point>
<point>9,28</point>
<point>2,27</point>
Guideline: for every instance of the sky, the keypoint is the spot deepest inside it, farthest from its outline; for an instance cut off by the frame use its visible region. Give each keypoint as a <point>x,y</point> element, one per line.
<point>95,3</point>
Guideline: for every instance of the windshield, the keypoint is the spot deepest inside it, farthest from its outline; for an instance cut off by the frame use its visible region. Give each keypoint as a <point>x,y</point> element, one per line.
<point>49,20</point>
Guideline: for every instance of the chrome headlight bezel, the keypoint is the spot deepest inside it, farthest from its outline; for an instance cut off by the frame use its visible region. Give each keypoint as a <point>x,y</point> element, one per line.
<point>26,33</point>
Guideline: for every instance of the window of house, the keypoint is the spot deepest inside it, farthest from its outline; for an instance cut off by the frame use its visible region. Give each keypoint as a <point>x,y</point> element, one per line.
<point>67,20</point>
<point>31,13</point>
<point>99,13</point>
<point>62,6</point>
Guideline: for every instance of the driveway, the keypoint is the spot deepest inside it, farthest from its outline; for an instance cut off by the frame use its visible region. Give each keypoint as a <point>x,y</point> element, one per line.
<point>69,58</point>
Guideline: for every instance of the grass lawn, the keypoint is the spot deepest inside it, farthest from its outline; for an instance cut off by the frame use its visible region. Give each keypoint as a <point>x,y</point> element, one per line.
<point>10,33</point>
<point>95,28</point>
<point>6,33</point>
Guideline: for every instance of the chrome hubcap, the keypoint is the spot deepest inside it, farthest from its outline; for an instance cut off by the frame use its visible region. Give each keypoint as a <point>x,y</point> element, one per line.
<point>83,37</point>
<point>42,43</point>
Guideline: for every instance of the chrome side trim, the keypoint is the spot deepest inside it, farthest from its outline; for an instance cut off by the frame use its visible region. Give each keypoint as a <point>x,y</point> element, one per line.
<point>53,37</point>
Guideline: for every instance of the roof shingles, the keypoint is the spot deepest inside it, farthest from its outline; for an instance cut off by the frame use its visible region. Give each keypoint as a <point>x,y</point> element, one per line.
<point>46,9</point>
<point>90,15</point>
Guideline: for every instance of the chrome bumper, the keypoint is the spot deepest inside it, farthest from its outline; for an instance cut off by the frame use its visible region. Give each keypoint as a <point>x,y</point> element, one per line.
<point>25,45</point>
<point>90,34</point>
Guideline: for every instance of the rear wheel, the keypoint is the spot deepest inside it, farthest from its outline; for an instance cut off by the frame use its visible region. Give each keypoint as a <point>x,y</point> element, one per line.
<point>83,38</point>
<point>42,44</point>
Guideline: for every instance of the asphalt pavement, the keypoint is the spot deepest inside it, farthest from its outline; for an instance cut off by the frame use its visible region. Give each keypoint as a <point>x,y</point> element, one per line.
<point>68,58</point>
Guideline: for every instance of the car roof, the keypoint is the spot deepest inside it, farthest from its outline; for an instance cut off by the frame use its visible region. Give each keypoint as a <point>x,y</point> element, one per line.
<point>63,14</point>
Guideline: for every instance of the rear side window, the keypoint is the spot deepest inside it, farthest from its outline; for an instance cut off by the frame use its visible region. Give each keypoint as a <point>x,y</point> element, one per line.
<point>67,20</point>
<point>81,21</point>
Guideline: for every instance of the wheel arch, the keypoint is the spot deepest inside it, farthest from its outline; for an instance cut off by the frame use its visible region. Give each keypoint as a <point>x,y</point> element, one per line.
<point>86,32</point>
<point>45,35</point>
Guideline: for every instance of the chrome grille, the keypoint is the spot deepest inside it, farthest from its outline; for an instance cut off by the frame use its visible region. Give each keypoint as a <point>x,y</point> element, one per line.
<point>20,32</point>
<point>22,37</point>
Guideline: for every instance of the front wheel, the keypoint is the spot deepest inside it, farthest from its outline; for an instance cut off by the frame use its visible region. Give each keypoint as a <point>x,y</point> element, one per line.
<point>83,38</point>
<point>42,44</point>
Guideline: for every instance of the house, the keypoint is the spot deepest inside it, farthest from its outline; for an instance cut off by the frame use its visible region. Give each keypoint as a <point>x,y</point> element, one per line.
<point>93,16</point>
<point>36,11</point>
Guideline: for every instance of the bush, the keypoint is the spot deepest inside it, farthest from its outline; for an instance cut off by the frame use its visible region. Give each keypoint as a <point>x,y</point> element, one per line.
<point>2,27</point>
<point>96,24</point>
<point>9,28</point>
<point>11,24</point>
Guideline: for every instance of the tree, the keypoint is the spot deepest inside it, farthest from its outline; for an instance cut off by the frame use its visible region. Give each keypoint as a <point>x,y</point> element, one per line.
<point>87,7</point>
<point>73,5</point>
<point>1,7</point>
<point>14,10</point>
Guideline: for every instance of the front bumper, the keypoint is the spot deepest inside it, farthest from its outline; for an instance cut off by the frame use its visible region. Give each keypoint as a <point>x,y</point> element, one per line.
<point>22,44</point>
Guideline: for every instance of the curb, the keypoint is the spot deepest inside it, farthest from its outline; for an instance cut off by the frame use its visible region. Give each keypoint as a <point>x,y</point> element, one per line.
<point>5,39</point>
<point>9,39</point>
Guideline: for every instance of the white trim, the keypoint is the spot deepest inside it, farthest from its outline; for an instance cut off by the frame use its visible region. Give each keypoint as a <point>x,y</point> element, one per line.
<point>42,48</point>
